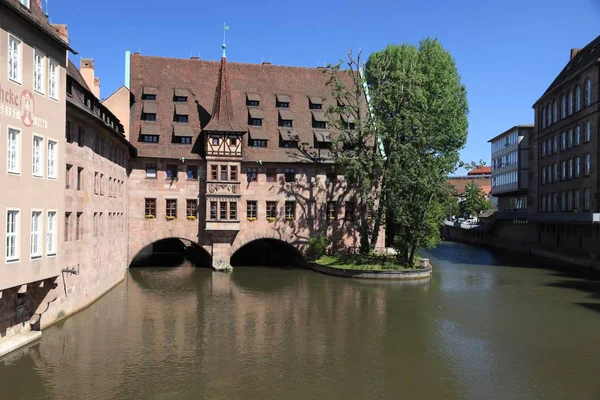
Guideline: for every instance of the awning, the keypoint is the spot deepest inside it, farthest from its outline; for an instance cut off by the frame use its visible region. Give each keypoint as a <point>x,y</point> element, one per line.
<point>349,119</point>
<point>319,116</point>
<point>181,93</point>
<point>182,130</point>
<point>150,129</point>
<point>253,96</point>
<point>149,107</point>
<point>286,115</point>
<point>182,109</point>
<point>149,90</point>
<point>258,134</point>
<point>282,98</point>
<point>322,137</point>
<point>289,135</point>
<point>255,113</point>
<point>315,100</point>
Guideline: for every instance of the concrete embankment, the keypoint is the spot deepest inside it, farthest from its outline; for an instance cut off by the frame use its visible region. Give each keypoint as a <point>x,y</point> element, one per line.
<point>423,272</point>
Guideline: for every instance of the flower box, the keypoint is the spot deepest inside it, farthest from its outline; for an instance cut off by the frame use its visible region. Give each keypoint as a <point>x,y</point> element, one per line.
<point>191,217</point>
<point>289,218</point>
<point>270,219</point>
<point>251,219</point>
<point>332,218</point>
<point>170,218</point>
<point>149,216</point>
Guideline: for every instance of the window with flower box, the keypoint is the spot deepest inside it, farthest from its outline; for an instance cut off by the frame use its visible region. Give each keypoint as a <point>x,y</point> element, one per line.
<point>251,208</point>
<point>171,208</point>
<point>290,210</point>
<point>150,208</point>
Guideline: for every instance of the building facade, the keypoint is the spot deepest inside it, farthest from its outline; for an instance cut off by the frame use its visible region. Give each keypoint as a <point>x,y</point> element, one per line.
<point>230,153</point>
<point>510,168</point>
<point>33,56</point>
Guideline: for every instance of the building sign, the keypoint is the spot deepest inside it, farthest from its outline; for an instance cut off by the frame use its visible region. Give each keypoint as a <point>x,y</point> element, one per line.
<point>20,107</point>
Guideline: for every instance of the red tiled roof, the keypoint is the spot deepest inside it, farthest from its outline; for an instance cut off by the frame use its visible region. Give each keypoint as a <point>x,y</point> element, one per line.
<point>460,184</point>
<point>484,170</point>
<point>201,79</point>
<point>222,116</point>
<point>36,16</point>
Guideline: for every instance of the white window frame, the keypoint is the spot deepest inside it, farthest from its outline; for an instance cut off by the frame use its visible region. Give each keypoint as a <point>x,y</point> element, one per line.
<point>36,234</point>
<point>51,233</point>
<point>26,3</point>
<point>56,75</point>
<point>52,170</point>
<point>40,162</point>
<point>17,167</point>
<point>15,235</point>
<point>41,71</point>
<point>19,59</point>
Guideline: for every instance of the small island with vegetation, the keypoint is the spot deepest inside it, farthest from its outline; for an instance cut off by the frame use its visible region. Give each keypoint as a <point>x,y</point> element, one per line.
<point>371,266</point>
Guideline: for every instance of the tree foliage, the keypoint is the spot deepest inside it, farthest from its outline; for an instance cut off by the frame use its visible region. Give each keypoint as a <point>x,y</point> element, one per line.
<point>474,201</point>
<point>405,144</point>
<point>420,109</point>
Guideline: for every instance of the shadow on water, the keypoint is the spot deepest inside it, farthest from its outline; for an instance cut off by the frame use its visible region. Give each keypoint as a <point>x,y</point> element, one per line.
<point>571,277</point>
<point>268,253</point>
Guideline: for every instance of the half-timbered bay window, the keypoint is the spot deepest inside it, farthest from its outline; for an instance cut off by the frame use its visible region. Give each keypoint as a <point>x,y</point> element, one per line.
<point>191,208</point>
<point>290,210</point>
<point>251,207</point>
<point>171,208</point>
<point>150,208</point>
<point>271,210</point>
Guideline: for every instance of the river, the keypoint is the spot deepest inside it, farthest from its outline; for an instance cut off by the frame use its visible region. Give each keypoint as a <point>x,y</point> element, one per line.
<point>486,326</point>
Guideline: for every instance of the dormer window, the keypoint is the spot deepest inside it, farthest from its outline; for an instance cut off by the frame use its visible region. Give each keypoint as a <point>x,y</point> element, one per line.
<point>286,118</point>
<point>150,138</point>
<point>184,139</point>
<point>257,138</point>
<point>181,113</point>
<point>288,138</point>
<point>182,134</point>
<point>283,101</point>
<point>180,95</point>
<point>348,121</point>
<point>319,120</point>
<point>149,110</point>
<point>255,117</point>
<point>252,99</point>
<point>323,140</point>
<point>149,93</point>
<point>315,103</point>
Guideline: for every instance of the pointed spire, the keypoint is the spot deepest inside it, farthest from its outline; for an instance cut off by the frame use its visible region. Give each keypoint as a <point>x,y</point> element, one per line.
<point>222,116</point>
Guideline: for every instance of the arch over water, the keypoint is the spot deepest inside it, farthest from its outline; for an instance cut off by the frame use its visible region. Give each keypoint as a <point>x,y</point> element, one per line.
<point>267,252</point>
<point>170,252</point>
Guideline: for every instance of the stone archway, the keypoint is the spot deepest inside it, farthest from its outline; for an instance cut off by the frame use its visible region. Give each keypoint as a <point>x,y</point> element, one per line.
<point>267,250</point>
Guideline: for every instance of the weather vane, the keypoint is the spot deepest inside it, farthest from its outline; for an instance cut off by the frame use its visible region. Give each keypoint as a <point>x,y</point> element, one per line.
<point>225,29</point>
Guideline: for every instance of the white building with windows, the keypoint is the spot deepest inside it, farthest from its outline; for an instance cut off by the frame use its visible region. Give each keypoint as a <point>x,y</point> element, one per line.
<point>510,168</point>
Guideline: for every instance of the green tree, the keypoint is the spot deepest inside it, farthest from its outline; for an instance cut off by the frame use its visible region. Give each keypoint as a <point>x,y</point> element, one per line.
<point>474,201</point>
<point>420,117</point>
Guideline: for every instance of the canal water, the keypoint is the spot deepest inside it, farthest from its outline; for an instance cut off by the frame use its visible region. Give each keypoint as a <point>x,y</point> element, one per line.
<point>487,326</point>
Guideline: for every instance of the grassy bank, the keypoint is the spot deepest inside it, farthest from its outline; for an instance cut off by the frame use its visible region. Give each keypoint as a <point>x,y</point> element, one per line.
<point>364,262</point>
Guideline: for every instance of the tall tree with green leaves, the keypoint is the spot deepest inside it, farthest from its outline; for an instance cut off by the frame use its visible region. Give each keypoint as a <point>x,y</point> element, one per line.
<point>474,201</point>
<point>420,117</point>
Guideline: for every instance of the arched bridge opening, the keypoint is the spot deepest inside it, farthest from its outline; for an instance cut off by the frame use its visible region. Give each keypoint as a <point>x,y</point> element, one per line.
<point>171,252</point>
<point>268,252</point>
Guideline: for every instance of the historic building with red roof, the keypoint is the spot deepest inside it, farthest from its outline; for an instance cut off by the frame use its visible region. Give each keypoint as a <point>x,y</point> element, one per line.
<point>230,153</point>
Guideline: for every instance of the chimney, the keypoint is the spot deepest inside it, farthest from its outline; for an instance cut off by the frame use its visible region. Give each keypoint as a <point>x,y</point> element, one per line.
<point>574,53</point>
<point>62,31</point>
<point>96,88</point>
<point>87,71</point>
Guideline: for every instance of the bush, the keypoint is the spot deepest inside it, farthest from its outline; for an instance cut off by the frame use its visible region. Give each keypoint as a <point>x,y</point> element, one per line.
<point>317,247</point>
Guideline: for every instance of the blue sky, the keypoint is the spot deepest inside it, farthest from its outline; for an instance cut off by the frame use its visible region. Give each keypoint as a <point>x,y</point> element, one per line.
<point>507,51</point>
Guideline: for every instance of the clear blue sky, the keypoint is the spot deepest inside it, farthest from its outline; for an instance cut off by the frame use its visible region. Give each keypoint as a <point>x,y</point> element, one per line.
<point>507,51</point>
